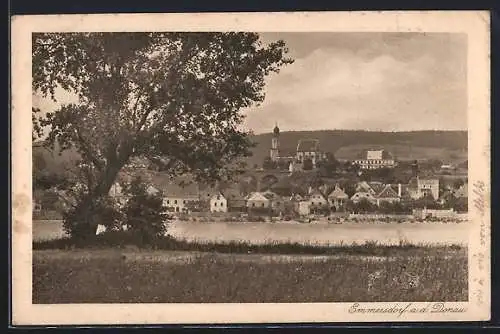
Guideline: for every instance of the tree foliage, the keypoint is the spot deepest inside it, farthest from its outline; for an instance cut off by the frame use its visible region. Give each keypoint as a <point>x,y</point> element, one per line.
<point>307,164</point>
<point>176,96</point>
<point>269,164</point>
<point>145,215</point>
<point>329,166</point>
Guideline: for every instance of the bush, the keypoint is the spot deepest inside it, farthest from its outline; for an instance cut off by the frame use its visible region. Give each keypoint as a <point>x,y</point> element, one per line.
<point>145,214</point>
<point>77,222</point>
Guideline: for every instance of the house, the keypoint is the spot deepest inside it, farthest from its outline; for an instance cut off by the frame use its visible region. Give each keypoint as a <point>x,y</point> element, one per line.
<point>177,198</point>
<point>374,159</point>
<point>299,204</point>
<point>337,198</point>
<point>205,193</point>
<point>176,195</point>
<point>236,201</point>
<point>277,203</point>
<point>309,149</point>
<point>373,188</point>
<point>420,187</point>
<point>317,199</point>
<point>303,208</point>
<point>218,203</point>
<point>360,195</point>
<point>257,200</point>
<point>363,186</point>
<point>377,187</point>
<point>388,195</point>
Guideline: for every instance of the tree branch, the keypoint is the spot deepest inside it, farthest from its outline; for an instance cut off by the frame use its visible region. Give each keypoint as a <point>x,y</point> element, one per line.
<point>88,151</point>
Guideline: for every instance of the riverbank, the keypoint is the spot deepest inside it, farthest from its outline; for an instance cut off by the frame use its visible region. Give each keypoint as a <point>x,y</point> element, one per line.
<point>318,233</point>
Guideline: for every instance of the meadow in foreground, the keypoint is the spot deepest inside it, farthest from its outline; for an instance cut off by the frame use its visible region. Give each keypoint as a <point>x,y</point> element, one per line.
<point>110,276</point>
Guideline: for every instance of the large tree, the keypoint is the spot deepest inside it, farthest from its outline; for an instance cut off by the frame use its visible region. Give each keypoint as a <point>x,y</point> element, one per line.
<point>177,96</point>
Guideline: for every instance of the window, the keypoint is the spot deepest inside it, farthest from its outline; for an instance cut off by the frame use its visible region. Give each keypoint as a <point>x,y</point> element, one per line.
<point>184,202</point>
<point>168,201</point>
<point>262,205</point>
<point>253,204</point>
<point>215,203</point>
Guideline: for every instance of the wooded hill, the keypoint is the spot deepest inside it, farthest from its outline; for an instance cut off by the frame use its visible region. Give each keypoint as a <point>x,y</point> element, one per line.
<point>448,146</point>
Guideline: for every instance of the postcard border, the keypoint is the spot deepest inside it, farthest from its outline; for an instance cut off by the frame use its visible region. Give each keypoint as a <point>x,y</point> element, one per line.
<point>474,23</point>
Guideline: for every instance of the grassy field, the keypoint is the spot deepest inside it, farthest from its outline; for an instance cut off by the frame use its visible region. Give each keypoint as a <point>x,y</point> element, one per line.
<point>133,276</point>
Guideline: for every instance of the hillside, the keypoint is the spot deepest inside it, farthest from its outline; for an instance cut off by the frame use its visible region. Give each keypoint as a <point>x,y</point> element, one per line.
<point>53,160</point>
<point>450,146</point>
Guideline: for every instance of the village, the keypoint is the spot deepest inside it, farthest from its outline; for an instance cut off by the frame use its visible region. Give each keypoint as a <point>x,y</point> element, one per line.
<point>291,188</point>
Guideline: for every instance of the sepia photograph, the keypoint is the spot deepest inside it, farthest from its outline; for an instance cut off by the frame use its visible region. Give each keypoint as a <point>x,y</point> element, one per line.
<point>217,168</point>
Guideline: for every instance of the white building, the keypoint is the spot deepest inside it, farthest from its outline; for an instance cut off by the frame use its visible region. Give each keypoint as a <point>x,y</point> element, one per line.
<point>420,187</point>
<point>257,200</point>
<point>337,198</point>
<point>361,195</point>
<point>374,159</point>
<point>218,203</point>
<point>303,208</point>
<point>317,199</point>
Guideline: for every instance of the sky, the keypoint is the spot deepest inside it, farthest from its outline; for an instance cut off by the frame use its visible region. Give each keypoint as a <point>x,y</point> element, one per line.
<point>368,81</point>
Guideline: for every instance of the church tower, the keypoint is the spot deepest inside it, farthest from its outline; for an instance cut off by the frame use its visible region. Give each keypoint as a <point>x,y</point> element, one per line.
<point>275,144</point>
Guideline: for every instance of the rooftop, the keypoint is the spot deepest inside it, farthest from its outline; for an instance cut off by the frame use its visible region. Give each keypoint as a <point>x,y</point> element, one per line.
<point>375,154</point>
<point>308,145</point>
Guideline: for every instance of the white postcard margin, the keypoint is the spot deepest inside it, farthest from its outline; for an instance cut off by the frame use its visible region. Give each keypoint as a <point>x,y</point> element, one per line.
<point>473,23</point>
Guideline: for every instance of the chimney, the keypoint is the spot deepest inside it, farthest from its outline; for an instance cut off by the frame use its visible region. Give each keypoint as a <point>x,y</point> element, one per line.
<point>310,190</point>
<point>399,189</point>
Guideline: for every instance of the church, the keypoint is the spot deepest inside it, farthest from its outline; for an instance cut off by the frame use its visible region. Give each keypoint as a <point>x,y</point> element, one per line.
<point>306,149</point>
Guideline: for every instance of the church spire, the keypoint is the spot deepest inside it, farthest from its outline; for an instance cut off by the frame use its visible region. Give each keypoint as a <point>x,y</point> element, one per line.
<point>276,130</point>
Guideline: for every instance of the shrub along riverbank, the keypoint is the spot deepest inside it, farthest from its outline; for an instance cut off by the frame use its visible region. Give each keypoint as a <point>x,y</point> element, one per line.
<point>123,239</point>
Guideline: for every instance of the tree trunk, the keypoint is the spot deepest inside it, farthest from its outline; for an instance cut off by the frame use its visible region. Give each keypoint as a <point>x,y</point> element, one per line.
<point>84,226</point>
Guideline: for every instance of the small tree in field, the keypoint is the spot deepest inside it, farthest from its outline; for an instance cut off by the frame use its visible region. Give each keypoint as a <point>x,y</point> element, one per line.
<point>145,215</point>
